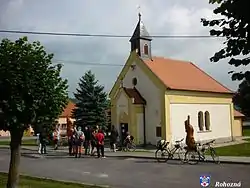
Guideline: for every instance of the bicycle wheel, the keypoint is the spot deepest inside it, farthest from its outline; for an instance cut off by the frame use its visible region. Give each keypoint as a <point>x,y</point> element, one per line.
<point>192,157</point>
<point>131,147</point>
<point>161,155</point>
<point>214,156</point>
<point>181,154</point>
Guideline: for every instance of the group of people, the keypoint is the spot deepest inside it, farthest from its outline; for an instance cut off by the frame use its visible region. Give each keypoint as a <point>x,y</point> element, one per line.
<point>90,139</point>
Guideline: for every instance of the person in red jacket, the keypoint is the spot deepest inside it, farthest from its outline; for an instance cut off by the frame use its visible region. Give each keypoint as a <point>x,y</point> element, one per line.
<point>100,143</point>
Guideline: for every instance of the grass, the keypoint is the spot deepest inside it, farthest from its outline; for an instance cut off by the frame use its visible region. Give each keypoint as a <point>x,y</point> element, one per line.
<point>33,182</point>
<point>239,150</point>
<point>246,132</point>
<point>26,142</point>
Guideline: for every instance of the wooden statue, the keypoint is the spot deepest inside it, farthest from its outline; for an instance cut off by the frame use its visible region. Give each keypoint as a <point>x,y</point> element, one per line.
<point>190,142</point>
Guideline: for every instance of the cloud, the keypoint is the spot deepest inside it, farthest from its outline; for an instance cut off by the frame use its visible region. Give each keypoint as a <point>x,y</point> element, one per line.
<point>175,17</point>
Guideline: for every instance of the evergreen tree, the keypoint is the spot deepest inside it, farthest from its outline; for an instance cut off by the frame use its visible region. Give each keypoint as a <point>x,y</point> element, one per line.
<point>91,102</point>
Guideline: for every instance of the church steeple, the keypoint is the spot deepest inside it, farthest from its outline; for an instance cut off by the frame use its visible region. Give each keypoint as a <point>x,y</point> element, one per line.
<point>141,40</point>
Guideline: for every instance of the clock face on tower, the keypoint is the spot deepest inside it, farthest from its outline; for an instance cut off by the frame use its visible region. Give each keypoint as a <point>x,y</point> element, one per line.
<point>134,81</point>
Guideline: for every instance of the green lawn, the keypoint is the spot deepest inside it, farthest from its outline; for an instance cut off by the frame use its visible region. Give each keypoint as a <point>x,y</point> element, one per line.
<point>246,132</point>
<point>235,150</point>
<point>30,182</point>
<point>28,142</point>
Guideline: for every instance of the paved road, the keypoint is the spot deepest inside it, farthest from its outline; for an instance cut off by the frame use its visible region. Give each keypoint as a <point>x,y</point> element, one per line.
<point>128,173</point>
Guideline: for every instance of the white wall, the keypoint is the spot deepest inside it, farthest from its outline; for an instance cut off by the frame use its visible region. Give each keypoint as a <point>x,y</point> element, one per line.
<point>140,128</point>
<point>151,94</point>
<point>121,107</point>
<point>63,120</point>
<point>220,122</point>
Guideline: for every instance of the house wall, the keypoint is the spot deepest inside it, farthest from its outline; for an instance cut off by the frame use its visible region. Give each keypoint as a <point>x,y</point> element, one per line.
<point>220,126</point>
<point>122,110</point>
<point>184,103</point>
<point>4,133</point>
<point>29,132</point>
<point>139,124</point>
<point>237,127</point>
<point>62,121</point>
<point>152,94</point>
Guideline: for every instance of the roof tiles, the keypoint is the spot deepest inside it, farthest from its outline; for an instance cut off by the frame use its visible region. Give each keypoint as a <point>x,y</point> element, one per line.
<point>134,93</point>
<point>183,75</point>
<point>68,110</point>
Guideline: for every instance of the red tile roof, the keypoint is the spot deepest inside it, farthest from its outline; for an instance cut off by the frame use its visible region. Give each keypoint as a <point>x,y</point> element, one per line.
<point>183,75</point>
<point>238,114</point>
<point>68,110</point>
<point>134,93</point>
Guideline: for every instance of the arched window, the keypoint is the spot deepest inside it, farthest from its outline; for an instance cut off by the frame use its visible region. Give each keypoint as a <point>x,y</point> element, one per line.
<point>200,121</point>
<point>207,120</point>
<point>146,49</point>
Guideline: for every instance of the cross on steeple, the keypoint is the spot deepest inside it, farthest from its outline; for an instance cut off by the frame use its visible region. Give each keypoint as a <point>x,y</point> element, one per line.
<point>139,12</point>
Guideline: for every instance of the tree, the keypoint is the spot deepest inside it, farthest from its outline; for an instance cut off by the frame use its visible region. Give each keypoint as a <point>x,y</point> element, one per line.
<point>91,102</point>
<point>235,27</point>
<point>242,98</point>
<point>32,92</point>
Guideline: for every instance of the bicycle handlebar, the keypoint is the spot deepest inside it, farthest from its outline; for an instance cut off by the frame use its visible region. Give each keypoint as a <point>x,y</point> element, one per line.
<point>177,141</point>
<point>210,142</point>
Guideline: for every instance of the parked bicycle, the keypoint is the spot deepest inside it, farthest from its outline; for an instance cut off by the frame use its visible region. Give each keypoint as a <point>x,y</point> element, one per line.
<point>126,146</point>
<point>164,153</point>
<point>193,157</point>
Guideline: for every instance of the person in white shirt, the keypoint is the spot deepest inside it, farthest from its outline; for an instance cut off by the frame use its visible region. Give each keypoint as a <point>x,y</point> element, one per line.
<point>56,138</point>
<point>38,142</point>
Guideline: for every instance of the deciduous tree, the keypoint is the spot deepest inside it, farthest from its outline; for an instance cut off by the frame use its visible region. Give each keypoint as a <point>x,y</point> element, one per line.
<point>234,25</point>
<point>32,91</point>
<point>242,97</point>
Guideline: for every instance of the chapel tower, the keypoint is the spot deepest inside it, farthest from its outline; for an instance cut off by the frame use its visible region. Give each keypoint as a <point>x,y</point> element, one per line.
<point>141,40</point>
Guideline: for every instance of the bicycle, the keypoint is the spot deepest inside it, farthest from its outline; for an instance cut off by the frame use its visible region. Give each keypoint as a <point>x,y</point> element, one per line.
<point>126,146</point>
<point>166,153</point>
<point>199,154</point>
<point>130,146</point>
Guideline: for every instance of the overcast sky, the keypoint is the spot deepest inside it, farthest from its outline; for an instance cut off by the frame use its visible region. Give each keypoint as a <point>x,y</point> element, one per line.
<point>161,17</point>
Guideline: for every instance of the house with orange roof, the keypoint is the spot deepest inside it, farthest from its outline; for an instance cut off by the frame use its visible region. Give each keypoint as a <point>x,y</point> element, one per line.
<point>153,96</point>
<point>62,119</point>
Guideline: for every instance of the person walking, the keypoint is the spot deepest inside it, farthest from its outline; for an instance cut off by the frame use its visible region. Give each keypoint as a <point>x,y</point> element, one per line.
<point>100,143</point>
<point>113,138</point>
<point>38,142</point>
<point>43,141</point>
<point>93,141</point>
<point>56,137</point>
<point>87,134</point>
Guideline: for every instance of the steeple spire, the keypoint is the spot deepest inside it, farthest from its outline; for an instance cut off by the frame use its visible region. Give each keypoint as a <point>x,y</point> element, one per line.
<point>141,40</point>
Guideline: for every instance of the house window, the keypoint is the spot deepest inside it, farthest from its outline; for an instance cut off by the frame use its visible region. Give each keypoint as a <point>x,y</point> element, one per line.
<point>158,131</point>
<point>134,81</point>
<point>200,121</point>
<point>64,126</point>
<point>146,49</point>
<point>207,120</point>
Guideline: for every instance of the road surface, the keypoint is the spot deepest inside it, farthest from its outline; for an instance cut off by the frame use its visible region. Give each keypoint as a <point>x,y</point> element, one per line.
<point>129,173</point>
